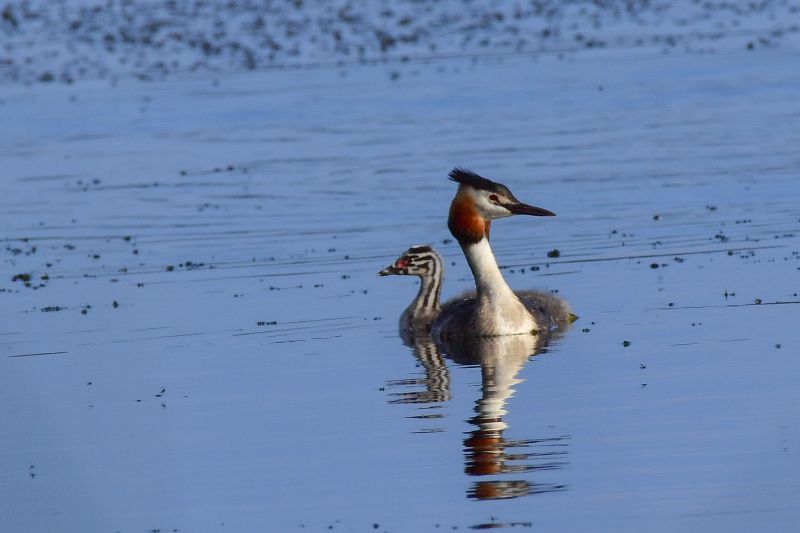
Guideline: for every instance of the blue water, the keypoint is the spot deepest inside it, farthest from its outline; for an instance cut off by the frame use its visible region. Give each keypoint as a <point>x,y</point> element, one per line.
<point>251,376</point>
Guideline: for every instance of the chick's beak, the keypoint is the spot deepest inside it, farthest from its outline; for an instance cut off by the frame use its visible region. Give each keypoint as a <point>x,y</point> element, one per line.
<point>388,271</point>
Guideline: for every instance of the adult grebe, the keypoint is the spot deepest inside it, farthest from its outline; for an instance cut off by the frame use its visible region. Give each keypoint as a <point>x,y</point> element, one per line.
<point>495,310</point>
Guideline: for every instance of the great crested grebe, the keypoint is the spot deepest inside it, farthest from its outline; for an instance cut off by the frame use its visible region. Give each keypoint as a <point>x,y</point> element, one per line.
<point>495,309</point>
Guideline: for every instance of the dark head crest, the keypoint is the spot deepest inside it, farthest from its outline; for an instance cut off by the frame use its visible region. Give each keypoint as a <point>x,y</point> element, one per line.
<point>468,177</point>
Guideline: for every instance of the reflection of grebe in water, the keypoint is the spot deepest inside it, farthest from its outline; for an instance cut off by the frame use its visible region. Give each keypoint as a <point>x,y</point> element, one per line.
<point>486,451</point>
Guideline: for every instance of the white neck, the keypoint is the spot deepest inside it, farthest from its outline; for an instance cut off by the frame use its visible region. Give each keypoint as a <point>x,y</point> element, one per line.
<point>501,311</point>
<point>489,282</point>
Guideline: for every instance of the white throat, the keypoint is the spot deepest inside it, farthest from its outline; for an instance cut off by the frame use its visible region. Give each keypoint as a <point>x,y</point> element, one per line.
<point>489,282</point>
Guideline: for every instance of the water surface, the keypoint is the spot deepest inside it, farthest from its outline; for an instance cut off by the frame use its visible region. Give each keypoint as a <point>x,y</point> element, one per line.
<point>205,344</point>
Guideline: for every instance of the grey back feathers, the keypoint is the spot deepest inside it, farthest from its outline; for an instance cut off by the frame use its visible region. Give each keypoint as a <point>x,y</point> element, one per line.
<point>547,308</point>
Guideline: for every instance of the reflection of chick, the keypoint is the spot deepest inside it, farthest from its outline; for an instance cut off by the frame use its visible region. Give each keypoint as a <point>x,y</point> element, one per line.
<point>437,377</point>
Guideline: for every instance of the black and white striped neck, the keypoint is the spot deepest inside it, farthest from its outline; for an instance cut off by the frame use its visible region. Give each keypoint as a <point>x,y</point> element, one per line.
<point>425,306</point>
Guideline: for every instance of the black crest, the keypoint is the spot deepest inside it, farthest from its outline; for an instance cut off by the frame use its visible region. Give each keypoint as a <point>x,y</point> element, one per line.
<point>468,177</point>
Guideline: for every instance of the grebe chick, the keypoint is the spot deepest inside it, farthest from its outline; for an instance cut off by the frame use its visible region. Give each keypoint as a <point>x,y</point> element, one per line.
<point>425,263</point>
<point>495,310</point>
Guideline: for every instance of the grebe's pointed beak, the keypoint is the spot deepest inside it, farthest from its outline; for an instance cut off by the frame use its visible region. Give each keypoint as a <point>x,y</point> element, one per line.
<point>524,209</point>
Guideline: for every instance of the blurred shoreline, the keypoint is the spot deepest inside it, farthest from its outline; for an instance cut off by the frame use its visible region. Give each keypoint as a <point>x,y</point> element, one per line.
<point>68,40</point>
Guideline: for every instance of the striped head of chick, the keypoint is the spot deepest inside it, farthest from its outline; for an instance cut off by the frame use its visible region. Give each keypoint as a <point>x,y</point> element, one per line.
<point>420,260</point>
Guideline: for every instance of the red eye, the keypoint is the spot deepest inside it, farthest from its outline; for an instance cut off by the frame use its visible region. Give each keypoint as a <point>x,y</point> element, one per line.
<point>493,198</point>
<point>401,263</point>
